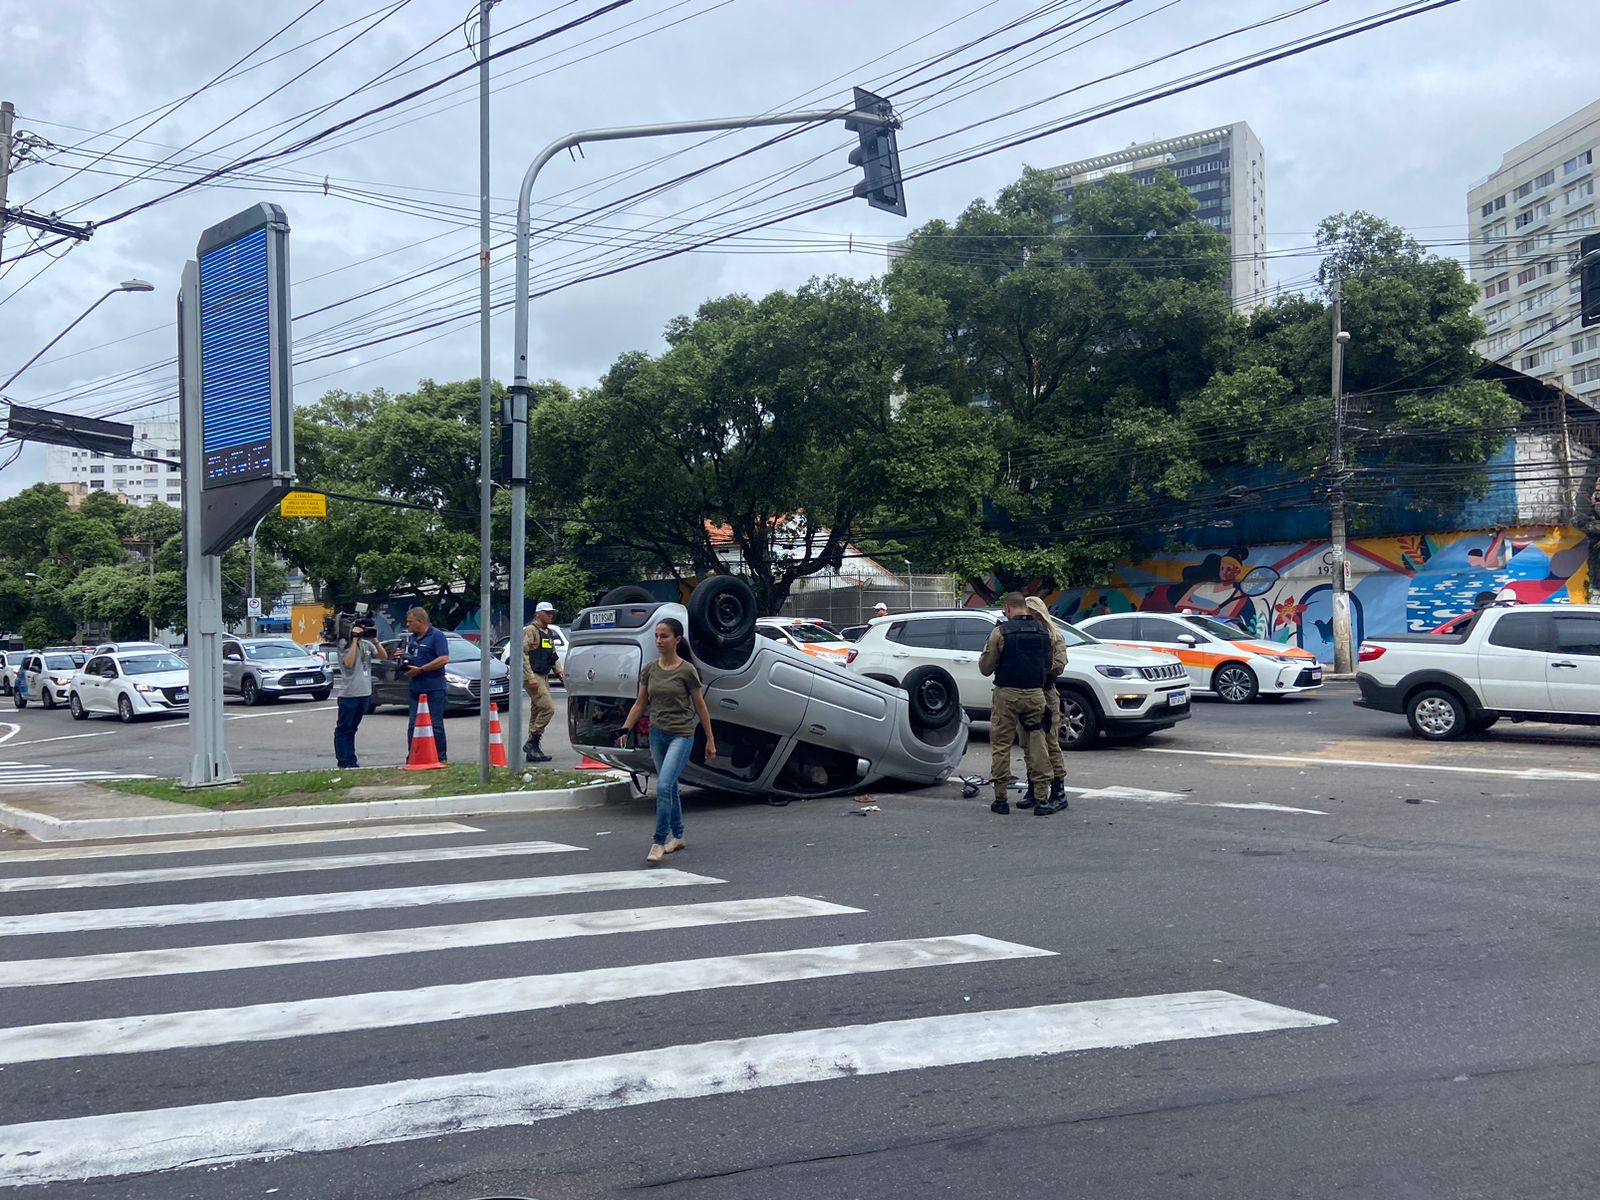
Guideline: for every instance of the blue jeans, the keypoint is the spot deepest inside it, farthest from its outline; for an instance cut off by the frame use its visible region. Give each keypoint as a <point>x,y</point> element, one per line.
<point>435,715</point>
<point>671,754</point>
<point>351,710</point>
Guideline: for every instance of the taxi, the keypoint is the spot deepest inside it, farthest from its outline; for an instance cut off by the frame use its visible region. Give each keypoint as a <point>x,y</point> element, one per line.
<point>808,637</point>
<point>1221,659</point>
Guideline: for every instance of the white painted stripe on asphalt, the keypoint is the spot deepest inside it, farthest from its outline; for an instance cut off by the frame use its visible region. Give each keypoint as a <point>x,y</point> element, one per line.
<point>234,841</point>
<point>146,916</point>
<point>210,1135</point>
<point>1303,760</point>
<point>453,1002</point>
<point>280,866</point>
<point>66,737</point>
<point>1263,807</point>
<point>190,960</point>
<point>1141,796</point>
<point>287,714</point>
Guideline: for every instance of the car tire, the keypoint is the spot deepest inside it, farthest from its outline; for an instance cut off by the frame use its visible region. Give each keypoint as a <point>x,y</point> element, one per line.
<point>76,708</point>
<point>1080,721</point>
<point>18,699</point>
<point>322,693</point>
<point>1234,683</point>
<point>630,593</point>
<point>1437,714</point>
<point>125,710</point>
<point>933,699</point>
<point>722,622</point>
<point>1484,723</point>
<point>45,697</point>
<point>372,706</point>
<point>251,693</point>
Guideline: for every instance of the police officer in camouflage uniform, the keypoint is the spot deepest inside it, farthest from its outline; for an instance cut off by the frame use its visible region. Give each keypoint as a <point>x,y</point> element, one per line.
<point>1017,655</point>
<point>538,662</point>
<point>1052,704</point>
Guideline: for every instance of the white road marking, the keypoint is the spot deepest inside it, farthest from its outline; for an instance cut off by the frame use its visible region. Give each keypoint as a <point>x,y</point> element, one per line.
<point>452,1002</point>
<point>11,731</point>
<point>1141,796</point>
<point>16,774</point>
<point>209,1135</point>
<point>234,841</point>
<point>279,866</point>
<point>286,714</point>
<point>1302,761</point>
<point>190,960</point>
<point>1263,807</point>
<point>147,916</point>
<point>66,737</point>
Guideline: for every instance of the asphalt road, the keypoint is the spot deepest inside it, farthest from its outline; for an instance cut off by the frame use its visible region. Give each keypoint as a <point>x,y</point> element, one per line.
<point>1409,928</point>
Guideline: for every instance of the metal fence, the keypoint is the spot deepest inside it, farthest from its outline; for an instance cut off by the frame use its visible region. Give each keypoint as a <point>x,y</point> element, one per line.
<point>851,603</point>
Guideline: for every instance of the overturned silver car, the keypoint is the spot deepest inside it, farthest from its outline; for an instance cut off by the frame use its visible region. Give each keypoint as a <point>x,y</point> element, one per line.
<point>787,724</point>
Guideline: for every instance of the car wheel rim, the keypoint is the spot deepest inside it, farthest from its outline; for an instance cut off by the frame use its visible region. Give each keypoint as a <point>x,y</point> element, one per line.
<point>1436,715</point>
<point>1072,721</point>
<point>1233,685</point>
<point>933,696</point>
<point>124,708</point>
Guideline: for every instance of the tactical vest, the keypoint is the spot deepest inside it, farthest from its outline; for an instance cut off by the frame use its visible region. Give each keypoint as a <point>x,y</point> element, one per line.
<point>1024,655</point>
<point>541,649</point>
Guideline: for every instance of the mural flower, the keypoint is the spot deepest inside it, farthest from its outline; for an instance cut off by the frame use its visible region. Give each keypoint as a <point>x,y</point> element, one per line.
<point>1289,611</point>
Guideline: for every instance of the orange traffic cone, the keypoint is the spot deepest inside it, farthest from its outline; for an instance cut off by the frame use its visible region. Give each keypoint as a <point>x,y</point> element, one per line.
<point>591,764</point>
<point>424,754</point>
<point>497,742</point>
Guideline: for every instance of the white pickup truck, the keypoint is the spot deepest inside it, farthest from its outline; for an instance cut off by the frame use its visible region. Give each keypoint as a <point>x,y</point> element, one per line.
<point>1528,663</point>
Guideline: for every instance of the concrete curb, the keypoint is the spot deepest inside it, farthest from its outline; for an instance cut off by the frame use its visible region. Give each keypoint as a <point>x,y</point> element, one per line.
<point>54,829</point>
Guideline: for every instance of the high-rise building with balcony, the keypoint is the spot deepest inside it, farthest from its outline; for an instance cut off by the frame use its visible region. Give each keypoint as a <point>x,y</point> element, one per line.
<point>1225,170</point>
<point>1526,222</point>
<point>137,480</point>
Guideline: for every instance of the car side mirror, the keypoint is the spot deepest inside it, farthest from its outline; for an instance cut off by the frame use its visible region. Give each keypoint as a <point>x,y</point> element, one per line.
<point>1188,639</point>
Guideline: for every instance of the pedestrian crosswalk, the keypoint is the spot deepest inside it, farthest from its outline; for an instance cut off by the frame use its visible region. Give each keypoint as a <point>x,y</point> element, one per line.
<point>18,774</point>
<point>83,989</point>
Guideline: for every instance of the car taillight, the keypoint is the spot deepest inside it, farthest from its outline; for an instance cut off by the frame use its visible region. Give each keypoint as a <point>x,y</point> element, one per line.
<point>850,656</point>
<point>1369,652</point>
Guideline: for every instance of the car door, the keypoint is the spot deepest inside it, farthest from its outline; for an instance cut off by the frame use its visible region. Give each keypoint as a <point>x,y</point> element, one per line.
<point>967,637</point>
<point>89,687</point>
<point>922,641</point>
<point>1185,643</point>
<point>232,666</point>
<point>1513,662</point>
<point>390,685</point>
<point>1573,670</point>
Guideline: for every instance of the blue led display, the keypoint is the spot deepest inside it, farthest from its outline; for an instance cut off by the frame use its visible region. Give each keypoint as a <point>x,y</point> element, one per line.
<point>235,361</point>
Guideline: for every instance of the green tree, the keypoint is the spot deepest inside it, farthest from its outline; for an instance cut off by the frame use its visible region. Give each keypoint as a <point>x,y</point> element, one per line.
<point>564,584</point>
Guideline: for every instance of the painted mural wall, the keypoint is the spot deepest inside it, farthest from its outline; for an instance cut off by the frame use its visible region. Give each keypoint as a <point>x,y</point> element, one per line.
<point>1409,584</point>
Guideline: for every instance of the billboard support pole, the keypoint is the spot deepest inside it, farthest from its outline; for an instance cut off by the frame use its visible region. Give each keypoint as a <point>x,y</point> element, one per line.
<point>208,758</point>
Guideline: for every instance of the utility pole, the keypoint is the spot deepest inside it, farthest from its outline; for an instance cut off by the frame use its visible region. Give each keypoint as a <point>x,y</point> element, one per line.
<point>1343,658</point>
<point>1569,487</point>
<point>8,117</point>
<point>873,121</point>
<point>485,416</point>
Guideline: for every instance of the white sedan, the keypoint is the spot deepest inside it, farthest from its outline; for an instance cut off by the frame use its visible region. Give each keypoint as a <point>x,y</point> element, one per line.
<point>130,684</point>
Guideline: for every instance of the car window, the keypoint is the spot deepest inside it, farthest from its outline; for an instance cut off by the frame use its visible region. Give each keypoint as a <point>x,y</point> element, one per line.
<point>768,632</point>
<point>1072,634</point>
<point>267,651</point>
<point>1217,629</point>
<point>1520,631</point>
<point>1116,629</point>
<point>1578,634</point>
<point>232,651</point>
<point>970,634</point>
<point>1159,629</point>
<point>809,633</point>
<point>149,664</point>
<point>462,650</point>
<point>60,662</point>
<point>931,633</point>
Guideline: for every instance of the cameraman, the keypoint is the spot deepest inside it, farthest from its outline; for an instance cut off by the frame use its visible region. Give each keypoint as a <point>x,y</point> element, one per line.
<point>355,686</point>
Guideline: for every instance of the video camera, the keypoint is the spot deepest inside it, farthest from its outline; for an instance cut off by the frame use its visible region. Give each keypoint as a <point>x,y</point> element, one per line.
<point>342,627</point>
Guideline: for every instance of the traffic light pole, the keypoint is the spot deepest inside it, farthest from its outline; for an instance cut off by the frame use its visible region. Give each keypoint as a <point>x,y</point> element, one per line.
<point>853,116</point>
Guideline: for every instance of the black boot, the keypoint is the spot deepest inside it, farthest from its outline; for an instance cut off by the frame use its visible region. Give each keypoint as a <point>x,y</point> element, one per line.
<point>534,751</point>
<point>1056,802</point>
<point>1000,807</point>
<point>1029,798</point>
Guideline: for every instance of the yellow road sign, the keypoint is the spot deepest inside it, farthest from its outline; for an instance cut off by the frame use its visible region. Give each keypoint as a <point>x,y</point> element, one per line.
<point>303,504</point>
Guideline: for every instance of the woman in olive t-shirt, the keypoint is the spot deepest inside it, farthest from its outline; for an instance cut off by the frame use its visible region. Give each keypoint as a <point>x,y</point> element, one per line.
<point>670,689</point>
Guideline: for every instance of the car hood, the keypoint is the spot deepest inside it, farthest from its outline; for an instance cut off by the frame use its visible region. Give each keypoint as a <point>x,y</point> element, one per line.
<point>163,679</point>
<point>1276,648</point>
<point>473,669</point>
<point>1124,656</point>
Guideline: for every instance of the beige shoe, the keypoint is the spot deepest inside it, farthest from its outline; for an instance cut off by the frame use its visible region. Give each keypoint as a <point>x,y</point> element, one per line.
<point>657,852</point>
<point>673,844</point>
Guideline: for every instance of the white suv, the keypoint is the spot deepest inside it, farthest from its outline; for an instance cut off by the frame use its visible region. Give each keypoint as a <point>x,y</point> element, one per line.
<point>1105,689</point>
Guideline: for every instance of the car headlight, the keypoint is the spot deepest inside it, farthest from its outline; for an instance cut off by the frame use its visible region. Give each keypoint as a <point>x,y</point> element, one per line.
<point>1117,672</point>
<point>61,680</point>
<point>458,680</point>
<point>1285,658</point>
<point>145,687</point>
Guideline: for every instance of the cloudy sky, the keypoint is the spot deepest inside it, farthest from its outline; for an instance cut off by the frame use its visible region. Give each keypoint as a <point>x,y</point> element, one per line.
<point>1400,121</point>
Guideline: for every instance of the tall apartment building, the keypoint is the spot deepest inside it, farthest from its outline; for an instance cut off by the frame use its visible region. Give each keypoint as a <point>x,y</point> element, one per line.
<point>1225,170</point>
<point>1527,220</point>
<point>139,482</point>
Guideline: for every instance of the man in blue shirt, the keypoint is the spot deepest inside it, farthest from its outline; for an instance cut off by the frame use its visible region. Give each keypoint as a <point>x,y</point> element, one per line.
<point>426,653</point>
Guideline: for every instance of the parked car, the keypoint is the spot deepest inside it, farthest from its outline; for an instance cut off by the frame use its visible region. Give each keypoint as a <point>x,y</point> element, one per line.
<point>1120,692</point>
<point>266,668</point>
<point>558,635</point>
<point>852,633</point>
<point>463,677</point>
<point>1525,663</point>
<point>809,637</point>
<point>130,684</point>
<point>116,647</point>
<point>45,677</point>
<point>1220,658</point>
<point>787,723</point>
<point>10,660</point>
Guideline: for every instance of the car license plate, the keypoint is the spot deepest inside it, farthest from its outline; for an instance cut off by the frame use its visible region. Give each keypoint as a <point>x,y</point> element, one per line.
<point>1176,698</point>
<point>1316,674</point>
<point>499,686</point>
<point>603,618</point>
<point>181,695</point>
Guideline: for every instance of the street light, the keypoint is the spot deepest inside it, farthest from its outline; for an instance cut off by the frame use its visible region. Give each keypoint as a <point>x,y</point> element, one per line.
<point>127,285</point>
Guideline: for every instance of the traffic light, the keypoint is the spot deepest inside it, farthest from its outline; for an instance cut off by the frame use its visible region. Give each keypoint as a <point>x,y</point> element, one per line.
<point>1589,279</point>
<point>878,156</point>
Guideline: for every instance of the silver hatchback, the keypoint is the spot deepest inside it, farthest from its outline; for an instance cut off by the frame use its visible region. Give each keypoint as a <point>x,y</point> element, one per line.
<point>786,723</point>
<point>262,669</point>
